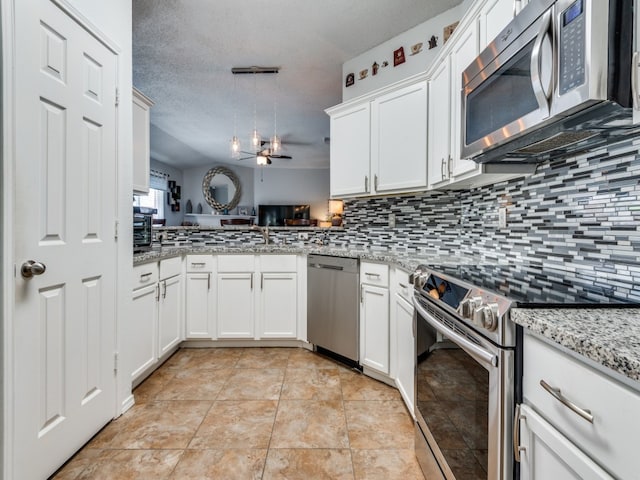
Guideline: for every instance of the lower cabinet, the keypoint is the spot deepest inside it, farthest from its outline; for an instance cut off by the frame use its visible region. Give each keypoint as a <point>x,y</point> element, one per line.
<point>405,354</point>
<point>170,314</point>
<point>235,305</point>
<point>200,306</point>
<point>142,329</point>
<point>278,308</point>
<point>374,316</point>
<point>576,421</point>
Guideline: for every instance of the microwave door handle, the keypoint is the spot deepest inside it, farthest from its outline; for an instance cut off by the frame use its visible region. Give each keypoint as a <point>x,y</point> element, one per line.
<point>477,352</point>
<point>536,67</point>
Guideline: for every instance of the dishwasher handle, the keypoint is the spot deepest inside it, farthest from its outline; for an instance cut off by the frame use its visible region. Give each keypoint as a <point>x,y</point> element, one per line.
<point>327,267</point>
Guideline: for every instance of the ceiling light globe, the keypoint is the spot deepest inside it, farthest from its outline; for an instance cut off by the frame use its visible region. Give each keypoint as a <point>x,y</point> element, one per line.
<point>275,144</point>
<point>235,147</point>
<point>255,140</point>
<point>261,160</point>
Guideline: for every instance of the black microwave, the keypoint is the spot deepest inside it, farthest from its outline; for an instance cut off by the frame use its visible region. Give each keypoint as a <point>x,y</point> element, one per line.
<point>142,222</point>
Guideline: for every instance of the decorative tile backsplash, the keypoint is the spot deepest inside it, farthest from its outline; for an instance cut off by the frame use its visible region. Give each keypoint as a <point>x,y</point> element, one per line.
<point>580,213</point>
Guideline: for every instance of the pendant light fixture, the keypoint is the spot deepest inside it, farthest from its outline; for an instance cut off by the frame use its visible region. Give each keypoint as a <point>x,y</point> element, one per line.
<point>235,145</point>
<point>255,140</point>
<point>275,144</point>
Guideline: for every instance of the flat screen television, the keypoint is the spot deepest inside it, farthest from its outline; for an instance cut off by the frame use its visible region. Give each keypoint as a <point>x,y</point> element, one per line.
<point>275,215</point>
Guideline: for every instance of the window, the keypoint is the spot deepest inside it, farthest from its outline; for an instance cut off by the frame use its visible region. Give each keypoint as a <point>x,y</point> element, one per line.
<point>155,199</point>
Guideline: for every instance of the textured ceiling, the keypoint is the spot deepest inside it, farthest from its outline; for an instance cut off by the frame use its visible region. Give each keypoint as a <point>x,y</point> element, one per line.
<point>183,52</point>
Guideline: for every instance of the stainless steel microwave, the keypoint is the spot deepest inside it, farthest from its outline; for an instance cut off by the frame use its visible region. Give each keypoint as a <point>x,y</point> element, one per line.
<point>558,78</point>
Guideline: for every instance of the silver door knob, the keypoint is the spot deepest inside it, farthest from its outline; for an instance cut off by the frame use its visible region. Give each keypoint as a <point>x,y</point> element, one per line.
<point>31,268</point>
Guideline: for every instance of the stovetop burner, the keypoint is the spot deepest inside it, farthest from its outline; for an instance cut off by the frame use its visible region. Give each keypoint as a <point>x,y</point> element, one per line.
<point>538,286</point>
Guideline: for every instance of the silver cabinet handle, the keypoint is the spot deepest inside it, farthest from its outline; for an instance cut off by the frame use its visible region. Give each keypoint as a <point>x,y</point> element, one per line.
<point>366,183</point>
<point>261,280</point>
<point>375,182</point>
<point>164,289</point>
<point>516,434</point>
<point>198,264</point>
<point>402,285</point>
<point>148,274</point>
<point>449,166</point>
<point>557,394</point>
<point>442,169</point>
<point>377,275</point>
<point>31,268</point>
<point>157,292</point>
<point>209,281</point>
<point>361,294</point>
<point>252,281</point>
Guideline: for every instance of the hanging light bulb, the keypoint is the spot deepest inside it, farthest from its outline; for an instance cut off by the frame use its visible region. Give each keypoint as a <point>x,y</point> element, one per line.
<point>255,140</point>
<point>234,145</point>
<point>275,144</point>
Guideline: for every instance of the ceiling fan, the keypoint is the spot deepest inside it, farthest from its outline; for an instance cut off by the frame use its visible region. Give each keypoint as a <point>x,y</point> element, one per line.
<point>264,156</point>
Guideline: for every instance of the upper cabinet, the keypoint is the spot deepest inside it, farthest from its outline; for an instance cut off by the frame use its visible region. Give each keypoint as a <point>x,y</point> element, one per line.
<point>141,150</point>
<point>379,145</point>
<point>406,137</point>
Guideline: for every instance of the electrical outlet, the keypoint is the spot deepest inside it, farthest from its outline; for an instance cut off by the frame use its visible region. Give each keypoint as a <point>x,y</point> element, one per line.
<point>303,235</point>
<point>502,217</point>
<point>392,220</point>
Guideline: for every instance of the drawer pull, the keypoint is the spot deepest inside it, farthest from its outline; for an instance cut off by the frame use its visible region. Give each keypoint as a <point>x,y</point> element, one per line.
<point>376,275</point>
<point>145,275</point>
<point>557,394</point>
<point>402,285</point>
<point>198,264</point>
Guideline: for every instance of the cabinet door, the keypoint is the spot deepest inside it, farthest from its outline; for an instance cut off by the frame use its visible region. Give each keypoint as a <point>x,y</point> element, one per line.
<point>439,124</point>
<point>636,62</point>
<point>143,328</point>
<point>548,454</point>
<point>399,139</point>
<point>494,16</point>
<point>235,305</point>
<point>349,151</point>
<point>170,315</point>
<point>405,351</point>
<point>374,328</point>
<point>278,305</point>
<point>464,52</point>
<point>200,304</point>
<point>141,151</point>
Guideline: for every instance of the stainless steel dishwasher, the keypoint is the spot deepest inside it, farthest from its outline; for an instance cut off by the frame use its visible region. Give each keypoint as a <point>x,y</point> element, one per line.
<point>333,304</point>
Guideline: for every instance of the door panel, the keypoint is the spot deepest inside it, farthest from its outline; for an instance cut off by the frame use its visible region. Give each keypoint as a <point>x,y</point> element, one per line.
<point>65,208</point>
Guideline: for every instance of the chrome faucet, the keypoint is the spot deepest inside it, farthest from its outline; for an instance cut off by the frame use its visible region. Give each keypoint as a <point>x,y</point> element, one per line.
<point>264,231</point>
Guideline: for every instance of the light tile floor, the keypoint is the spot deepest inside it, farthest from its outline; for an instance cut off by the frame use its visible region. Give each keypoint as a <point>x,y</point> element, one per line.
<point>254,413</point>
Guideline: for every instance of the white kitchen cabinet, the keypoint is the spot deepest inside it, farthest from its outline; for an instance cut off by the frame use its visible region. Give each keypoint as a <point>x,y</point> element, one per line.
<point>200,297</point>
<point>170,314</point>
<point>235,305</point>
<point>546,453</point>
<point>399,140</point>
<point>402,337</point>
<point>439,124</point>
<point>142,344</point>
<point>257,296</point>
<point>278,307</point>
<point>349,151</point>
<point>596,439</point>
<point>374,316</point>
<point>141,111</point>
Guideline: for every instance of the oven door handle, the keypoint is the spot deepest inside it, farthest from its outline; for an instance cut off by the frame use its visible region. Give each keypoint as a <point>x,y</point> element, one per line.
<point>477,352</point>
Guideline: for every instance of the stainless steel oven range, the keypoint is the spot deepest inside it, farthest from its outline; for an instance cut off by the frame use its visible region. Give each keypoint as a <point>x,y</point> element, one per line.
<point>469,368</point>
<point>464,379</point>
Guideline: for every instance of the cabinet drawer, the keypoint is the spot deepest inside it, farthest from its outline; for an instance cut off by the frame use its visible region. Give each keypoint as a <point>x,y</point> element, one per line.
<point>236,263</point>
<point>199,263</point>
<point>170,267</point>
<point>374,274</point>
<point>278,263</point>
<point>403,286</point>
<point>611,438</point>
<point>146,274</point>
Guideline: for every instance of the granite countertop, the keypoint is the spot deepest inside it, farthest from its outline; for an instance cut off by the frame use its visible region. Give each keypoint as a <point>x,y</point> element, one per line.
<point>609,336</point>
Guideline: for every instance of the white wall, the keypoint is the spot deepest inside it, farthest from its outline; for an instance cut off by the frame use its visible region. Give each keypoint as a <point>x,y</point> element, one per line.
<point>278,186</point>
<point>192,186</point>
<point>414,64</point>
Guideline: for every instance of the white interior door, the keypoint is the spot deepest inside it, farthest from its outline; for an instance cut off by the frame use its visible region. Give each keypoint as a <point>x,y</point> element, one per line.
<point>65,209</point>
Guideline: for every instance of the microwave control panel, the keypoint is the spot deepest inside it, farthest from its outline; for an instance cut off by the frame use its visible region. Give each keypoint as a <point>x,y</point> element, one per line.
<point>572,47</point>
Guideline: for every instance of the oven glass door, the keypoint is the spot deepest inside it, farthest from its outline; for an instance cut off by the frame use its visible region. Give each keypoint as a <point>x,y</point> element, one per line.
<point>453,400</point>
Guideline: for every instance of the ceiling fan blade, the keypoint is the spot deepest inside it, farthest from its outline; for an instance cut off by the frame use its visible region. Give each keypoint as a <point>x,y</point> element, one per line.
<point>285,157</point>
<point>246,158</point>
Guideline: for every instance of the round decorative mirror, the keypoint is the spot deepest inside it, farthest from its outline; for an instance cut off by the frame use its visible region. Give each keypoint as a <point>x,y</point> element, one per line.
<point>221,188</point>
